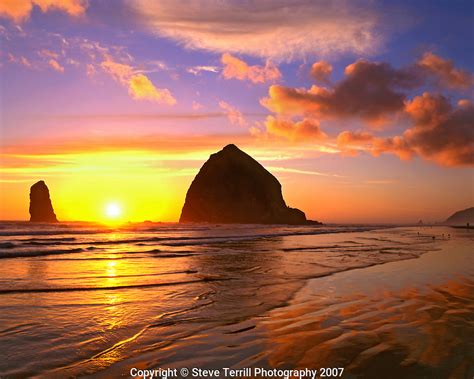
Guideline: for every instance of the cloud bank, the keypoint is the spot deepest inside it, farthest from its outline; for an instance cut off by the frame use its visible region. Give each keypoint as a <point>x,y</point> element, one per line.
<point>376,93</point>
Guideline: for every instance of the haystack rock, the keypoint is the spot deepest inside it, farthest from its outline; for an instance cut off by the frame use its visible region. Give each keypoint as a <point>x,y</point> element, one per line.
<point>232,187</point>
<point>41,209</point>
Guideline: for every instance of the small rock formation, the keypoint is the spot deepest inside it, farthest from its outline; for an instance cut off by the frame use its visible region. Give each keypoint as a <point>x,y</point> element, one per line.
<point>461,217</point>
<point>41,209</point>
<point>232,187</point>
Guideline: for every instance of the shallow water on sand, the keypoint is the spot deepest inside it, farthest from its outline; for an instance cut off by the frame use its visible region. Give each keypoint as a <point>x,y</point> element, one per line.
<point>78,299</point>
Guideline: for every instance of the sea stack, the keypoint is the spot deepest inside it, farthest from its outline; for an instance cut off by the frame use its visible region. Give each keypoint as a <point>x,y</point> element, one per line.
<point>41,209</point>
<point>232,187</point>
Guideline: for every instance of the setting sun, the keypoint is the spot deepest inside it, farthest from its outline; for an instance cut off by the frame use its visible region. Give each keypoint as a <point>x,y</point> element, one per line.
<point>113,210</point>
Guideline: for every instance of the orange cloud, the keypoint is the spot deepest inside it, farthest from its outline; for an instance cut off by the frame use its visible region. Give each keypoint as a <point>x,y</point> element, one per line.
<point>55,65</point>
<point>351,143</point>
<point>235,68</point>
<point>293,101</point>
<point>306,129</point>
<point>354,138</point>
<point>397,145</point>
<point>445,71</point>
<point>427,109</point>
<point>139,86</point>
<point>321,71</point>
<point>20,10</point>
<point>120,72</point>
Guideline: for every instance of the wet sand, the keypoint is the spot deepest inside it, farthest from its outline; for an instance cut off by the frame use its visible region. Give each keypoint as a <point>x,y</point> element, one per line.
<point>405,319</point>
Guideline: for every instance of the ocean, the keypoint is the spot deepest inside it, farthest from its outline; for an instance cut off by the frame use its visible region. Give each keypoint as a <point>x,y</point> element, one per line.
<point>84,299</point>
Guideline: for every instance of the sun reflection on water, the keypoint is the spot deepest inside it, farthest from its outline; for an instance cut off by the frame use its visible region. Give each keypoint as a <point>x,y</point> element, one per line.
<point>111,271</point>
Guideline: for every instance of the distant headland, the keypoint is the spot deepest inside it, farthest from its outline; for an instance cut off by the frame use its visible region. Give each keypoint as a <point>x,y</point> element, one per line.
<point>463,217</point>
<point>232,187</point>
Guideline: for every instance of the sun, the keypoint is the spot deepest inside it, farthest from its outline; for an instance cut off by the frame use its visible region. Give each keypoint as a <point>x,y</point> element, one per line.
<point>113,210</point>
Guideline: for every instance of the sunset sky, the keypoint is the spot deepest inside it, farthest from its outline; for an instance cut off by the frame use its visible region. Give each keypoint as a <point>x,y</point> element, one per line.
<point>361,109</point>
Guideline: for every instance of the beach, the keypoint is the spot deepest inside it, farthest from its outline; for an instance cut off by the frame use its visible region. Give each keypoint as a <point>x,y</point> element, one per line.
<point>84,300</point>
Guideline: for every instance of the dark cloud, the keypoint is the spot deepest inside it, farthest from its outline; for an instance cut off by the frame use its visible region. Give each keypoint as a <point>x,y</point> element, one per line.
<point>370,90</point>
<point>440,133</point>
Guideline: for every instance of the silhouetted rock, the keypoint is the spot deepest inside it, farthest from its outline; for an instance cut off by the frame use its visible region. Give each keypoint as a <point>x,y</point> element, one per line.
<point>461,217</point>
<point>232,187</point>
<point>41,209</point>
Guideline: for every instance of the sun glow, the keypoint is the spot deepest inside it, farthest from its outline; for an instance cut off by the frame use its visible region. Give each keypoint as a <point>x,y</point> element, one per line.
<point>113,211</point>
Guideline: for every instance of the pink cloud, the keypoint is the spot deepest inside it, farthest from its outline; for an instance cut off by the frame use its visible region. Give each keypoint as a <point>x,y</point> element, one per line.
<point>21,60</point>
<point>233,114</point>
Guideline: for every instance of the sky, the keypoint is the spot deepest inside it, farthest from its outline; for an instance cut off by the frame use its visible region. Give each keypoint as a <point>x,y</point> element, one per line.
<point>362,109</point>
